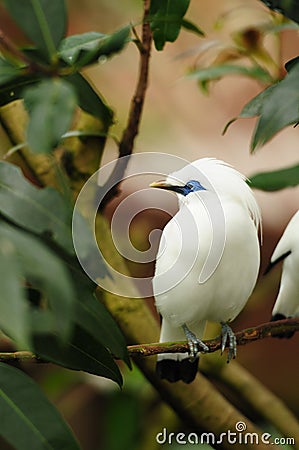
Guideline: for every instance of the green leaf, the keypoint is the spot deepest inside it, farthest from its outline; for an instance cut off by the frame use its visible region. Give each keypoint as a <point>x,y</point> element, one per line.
<point>276,180</point>
<point>94,318</point>
<point>81,352</point>
<point>91,101</point>
<point>27,419</point>
<point>254,107</point>
<point>74,47</point>
<point>20,201</point>
<point>289,8</point>
<point>51,105</point>
<point>13,305</point>
<point>190,26</point>
<point>35,263</point>
<point>83,49</point>
<point>41,211</point>
<point>43,21</point>
<point>215,72</point>
<point>84,134</point>
<point>115,42</point>
<point>86,246</point>
<point>166,20</point>
<point>13,89</point>
<point>278,108</point>
<point>8,71</point>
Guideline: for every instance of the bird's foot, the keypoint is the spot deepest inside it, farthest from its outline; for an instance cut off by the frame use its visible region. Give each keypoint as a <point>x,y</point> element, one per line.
<point>228,334</point>
<point>195,344</point>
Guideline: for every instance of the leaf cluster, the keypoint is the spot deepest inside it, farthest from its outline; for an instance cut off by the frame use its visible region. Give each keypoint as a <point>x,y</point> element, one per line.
<point>48,303</point>
<point>289,8</point>
<point>277,105</point>
<point>167,17</point>
<point>46,73</point>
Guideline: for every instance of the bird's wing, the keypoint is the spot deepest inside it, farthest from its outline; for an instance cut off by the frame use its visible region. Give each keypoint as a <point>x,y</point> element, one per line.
<point>287,242</point>
<point>276,261</point>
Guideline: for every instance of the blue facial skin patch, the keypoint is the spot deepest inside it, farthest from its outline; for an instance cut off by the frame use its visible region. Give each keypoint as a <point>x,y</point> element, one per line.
<point>190,186</point>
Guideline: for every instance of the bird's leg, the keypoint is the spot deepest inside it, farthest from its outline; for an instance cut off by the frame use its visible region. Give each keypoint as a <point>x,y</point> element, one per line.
<point>227,333</point>
<point>194,343</point>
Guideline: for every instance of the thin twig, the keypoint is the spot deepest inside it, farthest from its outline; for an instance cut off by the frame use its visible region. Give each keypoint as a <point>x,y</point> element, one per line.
<point>9,46</point>
<point>23,356</point>
<point>132,128</point>
<point>265,330</point>
<point>31,66</point>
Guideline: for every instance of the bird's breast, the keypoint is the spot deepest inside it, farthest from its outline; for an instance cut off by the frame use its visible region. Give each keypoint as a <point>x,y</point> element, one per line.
<point>185,247</point>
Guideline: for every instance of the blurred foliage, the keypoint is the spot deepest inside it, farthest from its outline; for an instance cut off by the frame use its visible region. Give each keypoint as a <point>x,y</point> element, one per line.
<point>289,8</point>
<point>47,303</point>
<point>276,106</point>
<point>23,405</point>
<point>276,180</point>
<point>122,422</point>
<point>244,53</point>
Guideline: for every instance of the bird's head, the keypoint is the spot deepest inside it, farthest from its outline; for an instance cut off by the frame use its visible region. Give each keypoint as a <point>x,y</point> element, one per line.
<point>184,189</point>
<point>213,176</point>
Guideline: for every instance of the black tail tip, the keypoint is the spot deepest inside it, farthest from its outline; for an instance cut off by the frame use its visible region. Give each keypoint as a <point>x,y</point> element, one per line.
<point>285,334</point>
<point>173,370</point>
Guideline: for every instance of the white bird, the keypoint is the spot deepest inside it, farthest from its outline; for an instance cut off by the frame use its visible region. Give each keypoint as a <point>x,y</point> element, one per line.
<point>208,260</point>
<point>287,249</point>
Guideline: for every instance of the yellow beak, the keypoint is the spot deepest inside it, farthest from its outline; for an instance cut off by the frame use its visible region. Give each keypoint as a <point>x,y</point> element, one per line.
<point>160,184</point>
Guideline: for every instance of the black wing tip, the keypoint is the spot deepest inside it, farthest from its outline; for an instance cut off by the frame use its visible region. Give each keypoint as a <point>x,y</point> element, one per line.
<point>173,371</point>
<point>272,264</point>
<point>282,335</point>
<point>269,267</point>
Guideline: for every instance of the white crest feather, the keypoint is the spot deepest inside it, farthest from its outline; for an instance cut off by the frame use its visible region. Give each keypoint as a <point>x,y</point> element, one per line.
<point>225,180</point>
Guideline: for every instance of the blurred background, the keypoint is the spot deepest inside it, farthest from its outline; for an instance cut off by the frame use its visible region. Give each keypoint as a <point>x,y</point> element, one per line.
<point>181,120</point>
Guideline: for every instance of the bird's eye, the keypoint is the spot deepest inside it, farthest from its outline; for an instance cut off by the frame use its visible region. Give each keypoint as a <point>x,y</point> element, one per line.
<point>190,185</point>
<point>193,186</point>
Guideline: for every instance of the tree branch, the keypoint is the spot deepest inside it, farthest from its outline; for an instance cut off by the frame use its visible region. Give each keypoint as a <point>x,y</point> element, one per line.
<point>132,128</point>
<point>23,356</point>
<point>269,329</point>
<point>265,330</point>
<point>11,48</point>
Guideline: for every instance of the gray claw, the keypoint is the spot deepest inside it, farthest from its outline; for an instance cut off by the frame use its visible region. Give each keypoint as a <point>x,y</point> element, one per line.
<point>195,344</point>
<point>228,334</point>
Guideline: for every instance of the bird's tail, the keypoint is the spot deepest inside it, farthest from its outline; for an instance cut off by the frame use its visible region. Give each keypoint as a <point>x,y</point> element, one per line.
<point>177,366</point>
